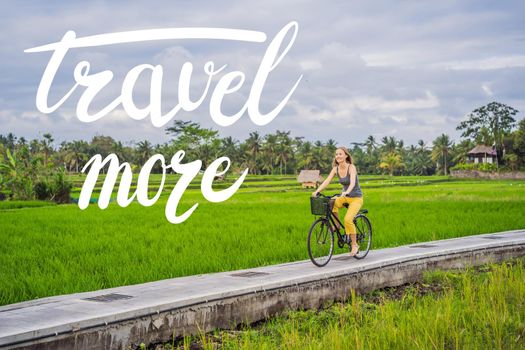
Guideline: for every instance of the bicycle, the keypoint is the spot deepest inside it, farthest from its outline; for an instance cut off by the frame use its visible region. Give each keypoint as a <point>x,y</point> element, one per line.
<point>321,234</point>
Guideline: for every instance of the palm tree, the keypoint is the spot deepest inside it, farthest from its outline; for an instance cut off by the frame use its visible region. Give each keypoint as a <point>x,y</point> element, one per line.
<point>318,155</point>
<point>440,151</point>
<point>119,149</point>
<point>422,161</point>
<point>208,150</point>
<point>284,149</point>
<point>460,151</point>
<point>391,162</point>
<point>254,144</point>
<point>47,146</point>
<point>370,144</point>
<point>10,141</point>
<point>144,151</point>
<point>305,155</point>
<point>34,146</point>
<point>371,159</point>
<point>389,145</point>
<point>296,144</point>
<point>74,154</point>
<point>270,150</point>
<point>229,147</point>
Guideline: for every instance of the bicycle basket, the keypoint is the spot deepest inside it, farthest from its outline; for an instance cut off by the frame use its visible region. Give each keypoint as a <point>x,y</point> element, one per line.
<point>319,205</point>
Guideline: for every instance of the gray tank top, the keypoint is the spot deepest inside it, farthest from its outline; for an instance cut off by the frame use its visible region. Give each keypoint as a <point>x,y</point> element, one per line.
<point>345,181</point>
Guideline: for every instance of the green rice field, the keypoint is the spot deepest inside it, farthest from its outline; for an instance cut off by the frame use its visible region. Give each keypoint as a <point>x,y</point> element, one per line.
<point>58,249</point>
<point>476,309</point>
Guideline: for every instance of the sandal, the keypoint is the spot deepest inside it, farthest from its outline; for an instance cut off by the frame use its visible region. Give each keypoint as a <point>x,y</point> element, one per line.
<point>356,247</point>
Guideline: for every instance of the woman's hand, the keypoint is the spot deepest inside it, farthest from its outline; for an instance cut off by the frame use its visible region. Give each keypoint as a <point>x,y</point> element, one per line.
<point>315,194</point>
<point>344,194</point>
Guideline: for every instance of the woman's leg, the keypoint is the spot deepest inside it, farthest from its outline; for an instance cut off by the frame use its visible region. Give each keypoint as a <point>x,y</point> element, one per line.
<point>354,204</point>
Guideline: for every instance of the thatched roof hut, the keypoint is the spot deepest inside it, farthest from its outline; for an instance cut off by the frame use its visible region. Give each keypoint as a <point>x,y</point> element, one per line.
<point>310,178</point>
<point>482,154</point>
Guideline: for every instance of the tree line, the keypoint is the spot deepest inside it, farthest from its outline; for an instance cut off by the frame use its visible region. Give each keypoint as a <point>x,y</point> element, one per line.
<point>275,153</point>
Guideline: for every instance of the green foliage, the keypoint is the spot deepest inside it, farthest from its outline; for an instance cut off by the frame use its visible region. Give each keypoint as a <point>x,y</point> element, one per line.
<point>391,162</point>
<point>42,190</point>
<point>486,167</point>
<point>440,152</point>
<point>60,188</point>
<point>25,175</point>
<point>198,142</point>
<point>279,152</point>
<point>489,123</point>
<point>517,145</point>
<point>18,174</point>
<point>511,160</point>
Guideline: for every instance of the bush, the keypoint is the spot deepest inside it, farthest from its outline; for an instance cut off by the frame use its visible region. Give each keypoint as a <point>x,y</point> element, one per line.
<point>60,188</point>
<point>486,167</point>
<point>57,190</point>
<point>42,190</point>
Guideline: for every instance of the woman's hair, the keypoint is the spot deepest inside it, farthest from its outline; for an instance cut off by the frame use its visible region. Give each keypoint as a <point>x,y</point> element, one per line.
<point>348,158</point>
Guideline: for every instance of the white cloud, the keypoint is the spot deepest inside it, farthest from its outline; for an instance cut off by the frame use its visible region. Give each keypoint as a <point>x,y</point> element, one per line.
<point>377,103</point>
<point>495,62</point>
<point>399,119</point>
<point>486,88</point>
<point>310,64</point>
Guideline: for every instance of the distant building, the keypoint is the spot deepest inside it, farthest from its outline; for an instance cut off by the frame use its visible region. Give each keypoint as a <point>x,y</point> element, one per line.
<point>482,154</point>
<point>310,178</point>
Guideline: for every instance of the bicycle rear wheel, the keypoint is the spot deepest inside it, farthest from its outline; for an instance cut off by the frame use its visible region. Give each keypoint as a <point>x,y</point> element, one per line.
<point>320,242</point>
<point>364,235</point>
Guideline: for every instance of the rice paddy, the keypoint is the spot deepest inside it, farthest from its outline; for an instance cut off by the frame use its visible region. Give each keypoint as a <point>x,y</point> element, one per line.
<point>57,249</point>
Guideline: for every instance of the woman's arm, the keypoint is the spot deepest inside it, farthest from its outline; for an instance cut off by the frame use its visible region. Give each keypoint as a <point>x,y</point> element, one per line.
<point>325,183</point>
<point>353,174</point>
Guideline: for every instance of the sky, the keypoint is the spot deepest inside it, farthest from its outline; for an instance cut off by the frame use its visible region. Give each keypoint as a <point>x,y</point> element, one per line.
<point>408,69</point>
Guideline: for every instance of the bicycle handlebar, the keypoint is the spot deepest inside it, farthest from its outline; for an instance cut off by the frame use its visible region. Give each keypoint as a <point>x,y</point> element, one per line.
<point>319,194</point>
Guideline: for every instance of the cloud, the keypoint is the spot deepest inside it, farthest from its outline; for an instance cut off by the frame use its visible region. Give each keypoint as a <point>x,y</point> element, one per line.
<point>486,88</point>
<point>411,69</point>
<point>376,103</point>
<point>495,62</point>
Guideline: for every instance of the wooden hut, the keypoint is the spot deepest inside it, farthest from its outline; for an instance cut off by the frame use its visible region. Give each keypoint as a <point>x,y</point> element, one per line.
<point>310,178</point>
<point>482,154</point>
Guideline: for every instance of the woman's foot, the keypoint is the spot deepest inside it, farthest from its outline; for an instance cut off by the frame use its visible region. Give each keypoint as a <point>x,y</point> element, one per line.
<point>355,250</point>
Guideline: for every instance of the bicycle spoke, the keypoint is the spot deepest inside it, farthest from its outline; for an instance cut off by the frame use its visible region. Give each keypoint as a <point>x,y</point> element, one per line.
<point>364,235</point>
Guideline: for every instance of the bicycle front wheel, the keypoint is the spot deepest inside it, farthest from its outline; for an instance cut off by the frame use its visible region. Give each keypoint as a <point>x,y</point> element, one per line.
<point>364,235</point>
<point>320,242</point>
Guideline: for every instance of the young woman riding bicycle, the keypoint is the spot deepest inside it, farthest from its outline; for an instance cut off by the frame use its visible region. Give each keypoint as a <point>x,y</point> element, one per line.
<point>344,168</point>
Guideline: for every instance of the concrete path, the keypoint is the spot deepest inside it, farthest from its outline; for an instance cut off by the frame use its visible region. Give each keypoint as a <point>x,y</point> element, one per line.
<point>116,317</point>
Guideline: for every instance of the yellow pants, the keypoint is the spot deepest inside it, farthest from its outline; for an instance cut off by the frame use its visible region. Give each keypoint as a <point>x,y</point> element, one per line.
<point>354,204</point>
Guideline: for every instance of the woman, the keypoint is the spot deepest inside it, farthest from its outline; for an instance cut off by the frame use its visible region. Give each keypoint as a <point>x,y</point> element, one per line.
<point>345,170</point>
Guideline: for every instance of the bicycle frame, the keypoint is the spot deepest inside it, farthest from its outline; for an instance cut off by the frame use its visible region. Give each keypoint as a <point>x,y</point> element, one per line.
<point>332,218</point>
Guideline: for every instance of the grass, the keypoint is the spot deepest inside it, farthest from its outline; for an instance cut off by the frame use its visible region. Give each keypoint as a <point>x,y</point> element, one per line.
<point>6,205</point>
<point>59,249</point>
<point>476,309</point>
